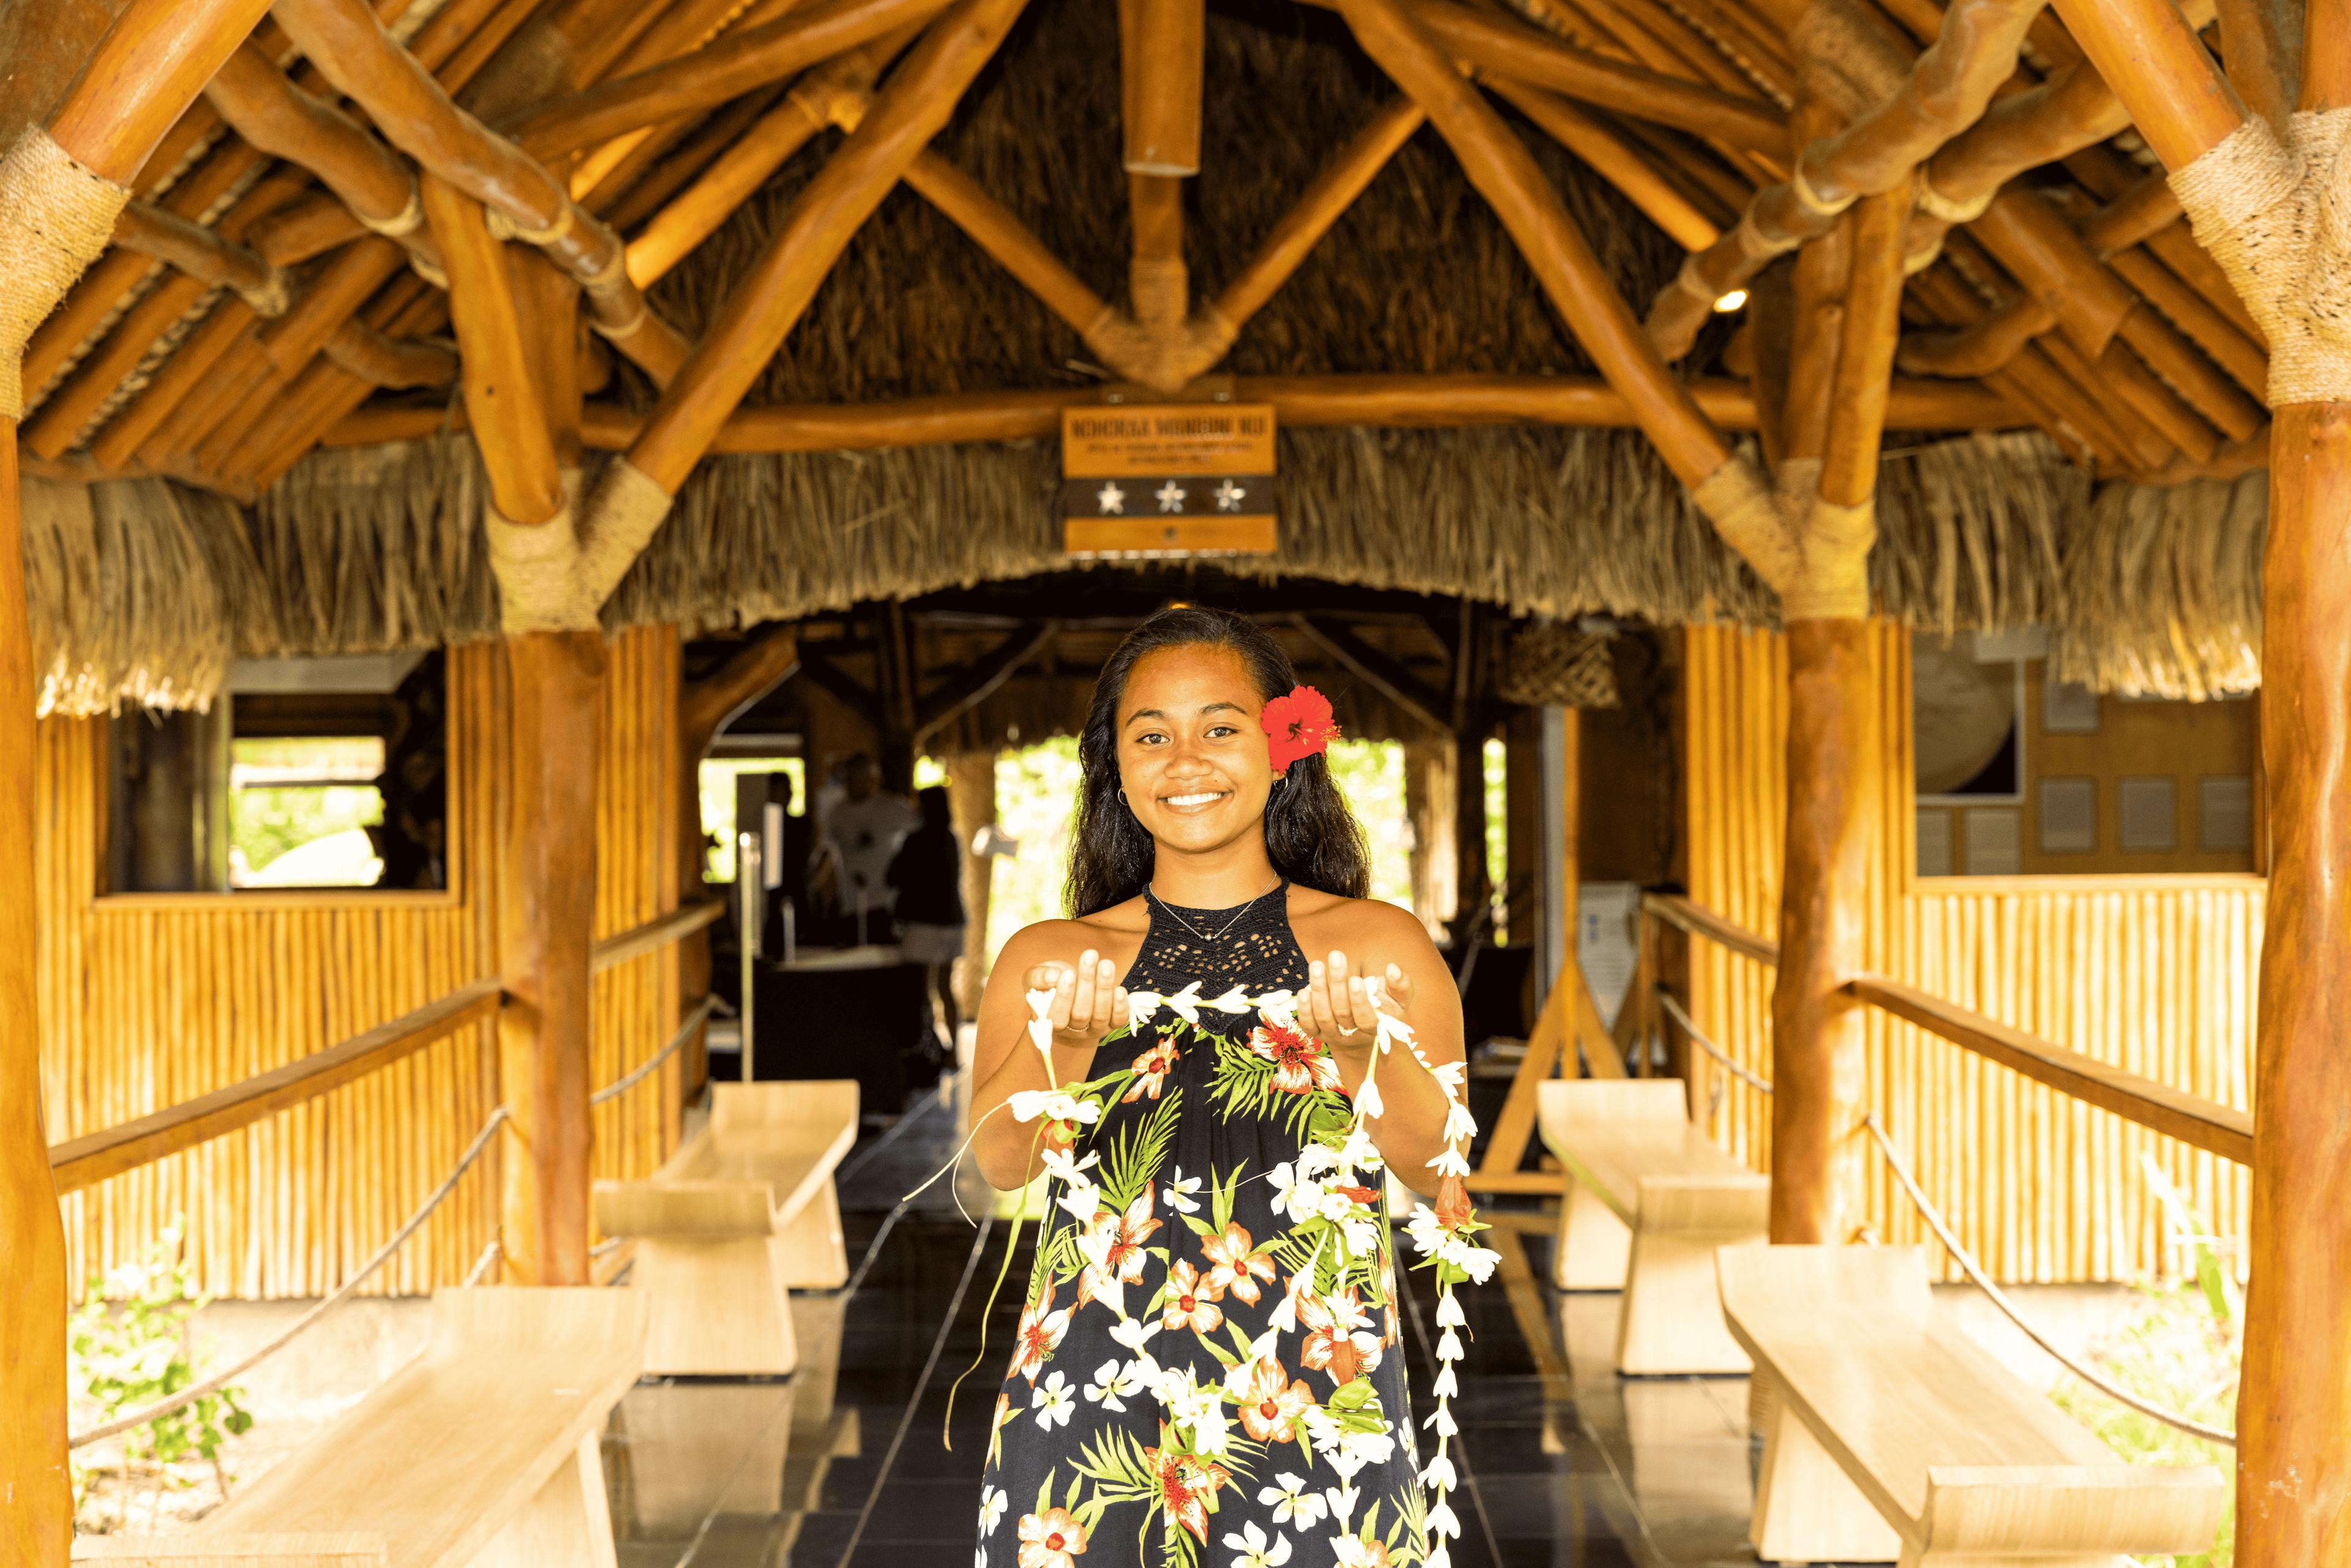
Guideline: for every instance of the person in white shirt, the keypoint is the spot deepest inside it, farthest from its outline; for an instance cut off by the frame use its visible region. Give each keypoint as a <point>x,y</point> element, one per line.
<point>865,828</point>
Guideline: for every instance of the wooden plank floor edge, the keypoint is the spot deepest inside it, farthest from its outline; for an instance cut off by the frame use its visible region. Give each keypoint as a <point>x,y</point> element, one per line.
<point>92,1158</point>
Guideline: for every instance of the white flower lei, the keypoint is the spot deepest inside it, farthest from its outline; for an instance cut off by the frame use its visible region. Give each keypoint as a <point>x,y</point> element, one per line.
<point>1449,1249</point>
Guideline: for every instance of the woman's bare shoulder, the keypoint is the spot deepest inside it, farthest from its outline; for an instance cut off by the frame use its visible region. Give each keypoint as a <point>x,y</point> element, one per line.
<point>1119,924</point>
<point>1332,920</point>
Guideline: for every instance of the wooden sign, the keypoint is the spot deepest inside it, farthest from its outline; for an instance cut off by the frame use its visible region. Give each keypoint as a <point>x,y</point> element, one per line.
<point>1140,481</point>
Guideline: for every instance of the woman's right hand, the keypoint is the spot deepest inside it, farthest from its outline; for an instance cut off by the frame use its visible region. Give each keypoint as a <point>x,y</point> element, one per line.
<point>1088,1001</point>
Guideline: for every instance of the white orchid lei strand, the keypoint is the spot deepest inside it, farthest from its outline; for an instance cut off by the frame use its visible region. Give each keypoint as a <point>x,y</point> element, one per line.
<point>1443,1236</point>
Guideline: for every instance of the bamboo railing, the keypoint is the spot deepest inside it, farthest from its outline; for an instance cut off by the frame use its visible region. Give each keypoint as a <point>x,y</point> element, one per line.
<point>86,1161</point>
<point>2193,1120</point>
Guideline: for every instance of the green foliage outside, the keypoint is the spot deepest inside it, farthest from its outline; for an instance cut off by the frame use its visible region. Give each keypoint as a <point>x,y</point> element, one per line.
<point>716,780</point>
<point>129,1344</point>
<point>2181,1351</point>
<point>265,823</point>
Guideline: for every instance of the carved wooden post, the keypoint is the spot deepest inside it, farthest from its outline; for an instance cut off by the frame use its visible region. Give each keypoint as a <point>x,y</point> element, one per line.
<point>60,191</point>
<point>1819,1062</point>
<point>2259,198</point>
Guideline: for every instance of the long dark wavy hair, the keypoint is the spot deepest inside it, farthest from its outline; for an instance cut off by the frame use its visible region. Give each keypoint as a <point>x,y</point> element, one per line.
<point>1310,835</point>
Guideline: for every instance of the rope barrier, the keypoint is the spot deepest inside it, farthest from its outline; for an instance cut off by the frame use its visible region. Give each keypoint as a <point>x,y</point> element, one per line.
<point>481,1268</point>
<point>1688,1026</point>
<point>694,1020</point>
<point>1977,1276</point>
<point>187,1396</point>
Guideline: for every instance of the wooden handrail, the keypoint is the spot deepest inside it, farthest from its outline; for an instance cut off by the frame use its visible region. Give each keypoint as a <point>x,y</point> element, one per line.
<point>88,1160</point>
<point>2199,1123</point>
<point>1701,921</point>
<point>2192,1119</point>
<point>656,933</point>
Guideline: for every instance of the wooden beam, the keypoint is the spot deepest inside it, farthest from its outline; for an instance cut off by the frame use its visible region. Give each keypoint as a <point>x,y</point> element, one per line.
<point>755,320</point>
<point>2199,1123</point>
<point>817,664</point>
<point>1383,673</point>
<point>656,933</point>
<point>546,929</point>
<point>1512,49</point>
<point>1571,276</point>
<point>1403,402</point>
<point>345,40</point>
<point>966,688</point>
<point>507,411</point>
<point>1333,192</point>
<point>1616,161</point>
<point>145,71</point>
<point>94,1157</point>
<point>739,63</point>
<point>283,121</point>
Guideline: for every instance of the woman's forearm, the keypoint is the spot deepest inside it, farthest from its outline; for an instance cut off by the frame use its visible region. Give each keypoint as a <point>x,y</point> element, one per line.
<point>1009,1153</point>
<point>1409,1131</point>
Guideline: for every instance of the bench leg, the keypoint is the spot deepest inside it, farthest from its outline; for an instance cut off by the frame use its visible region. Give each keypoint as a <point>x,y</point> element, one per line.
<point>1671,1319</point>
<point>568,1522</point>
<point>816,1258</point>
<point>1807,1510</point>
<point>719,1308</point>
<point>1594,1244</point>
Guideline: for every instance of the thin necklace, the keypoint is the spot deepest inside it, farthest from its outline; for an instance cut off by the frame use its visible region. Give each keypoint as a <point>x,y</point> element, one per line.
<point>1228,926</point>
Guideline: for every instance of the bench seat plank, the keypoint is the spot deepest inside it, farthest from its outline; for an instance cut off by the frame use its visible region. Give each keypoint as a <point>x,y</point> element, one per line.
<point>1650,1200</point>
<point>1954,1453</point>
<point>512,1384</point>
<point>743,1213</point>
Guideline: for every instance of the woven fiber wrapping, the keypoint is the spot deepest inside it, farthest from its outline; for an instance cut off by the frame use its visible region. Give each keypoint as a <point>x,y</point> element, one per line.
<point>59,216</point>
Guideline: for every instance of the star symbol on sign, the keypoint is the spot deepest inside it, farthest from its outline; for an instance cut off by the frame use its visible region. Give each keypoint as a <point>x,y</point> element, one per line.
<point>1171,497</point>
<point>1111,498</point>
<point>1229,497</point>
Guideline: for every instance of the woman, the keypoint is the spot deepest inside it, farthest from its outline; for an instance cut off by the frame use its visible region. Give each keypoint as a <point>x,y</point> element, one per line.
<point>1207,1369</point>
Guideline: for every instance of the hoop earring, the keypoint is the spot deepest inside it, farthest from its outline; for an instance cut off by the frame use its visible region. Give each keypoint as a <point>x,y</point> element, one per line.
<point>1123,801</point>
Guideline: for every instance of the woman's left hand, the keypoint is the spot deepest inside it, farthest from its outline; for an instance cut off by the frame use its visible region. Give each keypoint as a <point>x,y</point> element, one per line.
<point>1338,1009</point>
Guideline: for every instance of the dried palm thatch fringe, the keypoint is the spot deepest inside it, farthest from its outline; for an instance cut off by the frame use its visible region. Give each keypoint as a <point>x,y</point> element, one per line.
<point>2164,590</point>
<point>141,591</point>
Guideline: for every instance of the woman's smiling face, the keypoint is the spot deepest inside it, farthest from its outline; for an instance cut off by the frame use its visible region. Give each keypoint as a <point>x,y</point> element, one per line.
<point>1191,757</point>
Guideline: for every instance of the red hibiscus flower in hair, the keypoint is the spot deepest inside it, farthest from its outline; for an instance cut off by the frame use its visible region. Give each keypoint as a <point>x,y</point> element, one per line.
<point>1297,726</point>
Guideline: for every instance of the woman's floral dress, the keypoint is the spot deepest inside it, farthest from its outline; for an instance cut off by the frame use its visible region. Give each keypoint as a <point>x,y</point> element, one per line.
<point>1207,1369</point>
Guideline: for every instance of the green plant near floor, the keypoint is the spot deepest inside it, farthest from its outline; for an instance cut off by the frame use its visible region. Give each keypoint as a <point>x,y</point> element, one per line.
<point>129,1343</point>
<point>2182,1350</point>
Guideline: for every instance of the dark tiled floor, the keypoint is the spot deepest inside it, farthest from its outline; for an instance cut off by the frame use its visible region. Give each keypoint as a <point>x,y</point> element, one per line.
<point>843,1465</point>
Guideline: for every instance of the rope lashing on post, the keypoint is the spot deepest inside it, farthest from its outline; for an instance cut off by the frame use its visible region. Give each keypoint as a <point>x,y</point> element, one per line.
<point>694,1020</point>
<point>1977,1276</point>
<point>187,1396</point>
<point>1697,1037</point>
<point>60,216</point>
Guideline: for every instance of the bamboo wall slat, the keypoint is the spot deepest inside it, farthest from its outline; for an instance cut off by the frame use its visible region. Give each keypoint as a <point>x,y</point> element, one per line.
<point>2151,974</point>
<point>146,1002</point>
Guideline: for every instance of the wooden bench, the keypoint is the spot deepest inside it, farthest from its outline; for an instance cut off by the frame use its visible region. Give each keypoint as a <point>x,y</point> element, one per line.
<point>742,1214</point>
<point>481,1453</point>
<point>1650,1200</point>
<point>1892,1436</point>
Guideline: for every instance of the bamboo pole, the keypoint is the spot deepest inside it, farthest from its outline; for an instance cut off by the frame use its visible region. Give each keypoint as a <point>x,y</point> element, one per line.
<point>1395,401</point>
<point>1819,1040</point>
<point>145,71</point>
<point>1616,161</point>
<point>908,112</point>
<point>507,411</point>
<point>1506,174</point>
<point>280,119</point>
<point>812,104</point>
<point>736,64</point>
<point>1161,54</point>
<point>344,39</point>
<point>1946,90</point>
